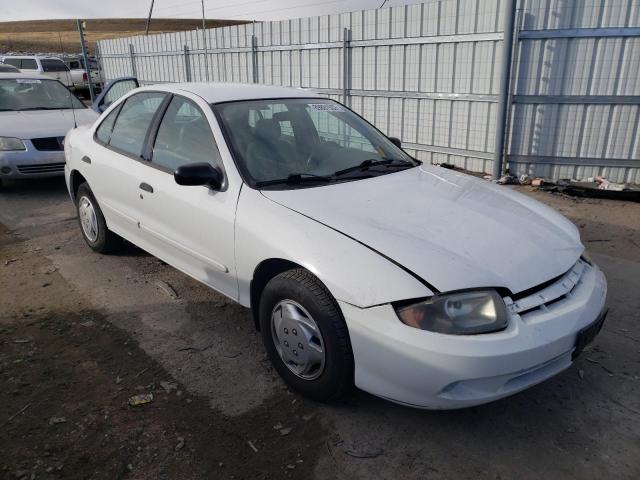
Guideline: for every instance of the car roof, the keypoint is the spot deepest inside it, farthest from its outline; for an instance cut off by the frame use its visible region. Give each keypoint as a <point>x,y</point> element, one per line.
<point>14,75</point>
<point>41,57</point>
<point>228,92</point>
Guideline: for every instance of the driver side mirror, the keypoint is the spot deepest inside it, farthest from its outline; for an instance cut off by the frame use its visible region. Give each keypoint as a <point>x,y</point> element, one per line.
<point>396,141</point>
<point>199,174</point>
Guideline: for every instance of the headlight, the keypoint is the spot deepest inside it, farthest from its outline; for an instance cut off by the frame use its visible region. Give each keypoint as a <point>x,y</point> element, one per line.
<point>10,143</point>
<point>463,313</point>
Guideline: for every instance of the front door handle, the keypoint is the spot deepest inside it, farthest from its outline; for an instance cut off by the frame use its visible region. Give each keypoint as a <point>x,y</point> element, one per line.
<point>146,187</point>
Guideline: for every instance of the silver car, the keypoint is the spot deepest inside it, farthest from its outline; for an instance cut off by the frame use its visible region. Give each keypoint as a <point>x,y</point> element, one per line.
<point>36,113</point>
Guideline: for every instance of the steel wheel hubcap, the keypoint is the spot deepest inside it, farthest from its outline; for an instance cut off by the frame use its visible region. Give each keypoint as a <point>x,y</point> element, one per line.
<point>88,219</point>
<point>297,339</point>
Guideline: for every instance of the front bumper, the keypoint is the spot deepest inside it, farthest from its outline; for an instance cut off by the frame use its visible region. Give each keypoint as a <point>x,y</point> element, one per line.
<point>31,163</point>
<point>435,371</point>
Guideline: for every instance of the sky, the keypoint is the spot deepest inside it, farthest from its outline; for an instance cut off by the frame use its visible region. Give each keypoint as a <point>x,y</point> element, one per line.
<point>230,9</point>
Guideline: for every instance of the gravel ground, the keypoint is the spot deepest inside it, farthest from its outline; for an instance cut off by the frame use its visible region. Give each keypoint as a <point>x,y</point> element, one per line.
<point>81,333</point>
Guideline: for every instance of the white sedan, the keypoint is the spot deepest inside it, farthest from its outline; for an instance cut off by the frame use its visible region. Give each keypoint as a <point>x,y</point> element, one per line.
<point>36,112</point>
<point>361,265</point>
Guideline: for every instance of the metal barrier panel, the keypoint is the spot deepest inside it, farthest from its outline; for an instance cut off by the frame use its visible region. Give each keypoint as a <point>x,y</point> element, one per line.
<point>429,74</point>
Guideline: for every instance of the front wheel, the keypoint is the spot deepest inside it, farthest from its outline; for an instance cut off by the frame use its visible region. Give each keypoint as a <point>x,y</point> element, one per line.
<point>92,223</point>
<point>306,336</point>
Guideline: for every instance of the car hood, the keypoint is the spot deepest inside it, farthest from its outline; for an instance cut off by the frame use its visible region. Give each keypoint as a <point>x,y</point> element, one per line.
<point>43,123</point>
<point>451,229</point>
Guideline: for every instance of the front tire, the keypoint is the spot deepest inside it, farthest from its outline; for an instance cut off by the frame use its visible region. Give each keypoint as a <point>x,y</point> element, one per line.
<point>306,336</point>
<point>92,223</point>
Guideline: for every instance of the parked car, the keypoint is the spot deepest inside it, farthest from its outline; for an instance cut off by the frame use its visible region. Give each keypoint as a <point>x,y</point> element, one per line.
<point>79,76</point>
<point>360,264</point>
<point>50,66</point>
<point>35,114</point>
<point>4,68</point>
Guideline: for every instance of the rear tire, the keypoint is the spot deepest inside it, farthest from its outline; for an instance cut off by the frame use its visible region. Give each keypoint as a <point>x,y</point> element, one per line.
<point>309,346</point>
<point>92,223</point>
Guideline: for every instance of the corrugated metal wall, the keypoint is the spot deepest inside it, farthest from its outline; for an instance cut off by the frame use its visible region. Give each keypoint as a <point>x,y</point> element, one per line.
<point>428,74</point>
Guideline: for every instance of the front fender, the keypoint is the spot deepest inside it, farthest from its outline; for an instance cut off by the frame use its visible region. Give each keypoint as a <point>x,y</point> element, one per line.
<point>352,272</point>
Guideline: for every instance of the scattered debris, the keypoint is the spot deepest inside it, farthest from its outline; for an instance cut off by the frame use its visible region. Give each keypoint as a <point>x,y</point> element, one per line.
<point>46,284</point>
<point>525,179</point>
<point>508,179</point>
<point>180,444</point>
<point>285,431</point>
<point>168,386</point>
<point>140,399</point>
<point>23,340</point>
<point>537,182</point>
<point>15,415</point>
<point>56,420</point>
<point>597,188</point>
<point>11,260</point>
<point>88,323</point>
<point>253,447</point>
<point>364,453</point>
<point>196,349</point>
<point>232,355</point>
<point>166,288</point>
<point>446,165</point>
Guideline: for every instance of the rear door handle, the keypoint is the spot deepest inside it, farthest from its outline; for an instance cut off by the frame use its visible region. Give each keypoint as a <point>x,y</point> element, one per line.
<point>146,187</point>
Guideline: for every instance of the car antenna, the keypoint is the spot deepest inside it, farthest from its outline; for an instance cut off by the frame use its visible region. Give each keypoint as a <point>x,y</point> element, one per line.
<point>73,110</point>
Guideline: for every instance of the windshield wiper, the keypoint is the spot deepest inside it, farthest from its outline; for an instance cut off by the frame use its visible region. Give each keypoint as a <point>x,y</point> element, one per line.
<point>365,165</point>
<point>296,179</point>
<point>43,108</point>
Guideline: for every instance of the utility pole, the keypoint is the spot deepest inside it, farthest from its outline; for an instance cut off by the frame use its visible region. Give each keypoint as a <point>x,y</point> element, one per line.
<point>146,29</point>
<point>85,57</point>
<point>204,42</point>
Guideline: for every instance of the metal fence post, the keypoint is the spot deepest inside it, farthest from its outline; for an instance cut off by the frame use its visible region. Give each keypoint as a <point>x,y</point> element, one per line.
<point>503,95</point>
<point>346,67</point>
<point>133,61</point>
<point>187,64</point>
<point>254,57</point>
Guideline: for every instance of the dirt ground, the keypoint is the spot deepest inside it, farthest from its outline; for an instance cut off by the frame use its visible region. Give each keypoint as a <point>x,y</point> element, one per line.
<point>81,333</point>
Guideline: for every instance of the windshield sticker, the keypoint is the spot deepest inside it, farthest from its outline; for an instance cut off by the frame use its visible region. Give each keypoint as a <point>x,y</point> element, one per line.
<point>28,80</point>
<point>326,107</point>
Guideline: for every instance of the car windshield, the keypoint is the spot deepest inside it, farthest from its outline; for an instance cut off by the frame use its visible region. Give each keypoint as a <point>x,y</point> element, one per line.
<point>18,94</point>
<point>283,143</point>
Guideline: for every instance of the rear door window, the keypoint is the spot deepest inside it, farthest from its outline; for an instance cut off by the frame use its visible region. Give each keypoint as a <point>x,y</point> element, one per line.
<point>28,64</point>
<point>131,126</point>
<point>53,66</point>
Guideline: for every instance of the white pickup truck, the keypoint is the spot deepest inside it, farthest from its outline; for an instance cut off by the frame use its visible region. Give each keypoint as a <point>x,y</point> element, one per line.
<point>79,73</point>
<point>50,66</point>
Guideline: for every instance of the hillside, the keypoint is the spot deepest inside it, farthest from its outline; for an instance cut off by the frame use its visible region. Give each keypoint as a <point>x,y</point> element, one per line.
<point>61,36</point>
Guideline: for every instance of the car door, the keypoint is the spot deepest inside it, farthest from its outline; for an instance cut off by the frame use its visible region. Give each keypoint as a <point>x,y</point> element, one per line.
<point>117,166</point>
<point>190,227</point>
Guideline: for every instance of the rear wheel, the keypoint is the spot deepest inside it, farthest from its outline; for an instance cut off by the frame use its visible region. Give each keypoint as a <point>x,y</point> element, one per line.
<point>305,335</point>
<point>92,224</point>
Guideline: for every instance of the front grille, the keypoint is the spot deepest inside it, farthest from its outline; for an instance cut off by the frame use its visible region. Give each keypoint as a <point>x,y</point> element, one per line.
<point>42,168</point>
<point>48,144</point>
<point>548,293</point>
